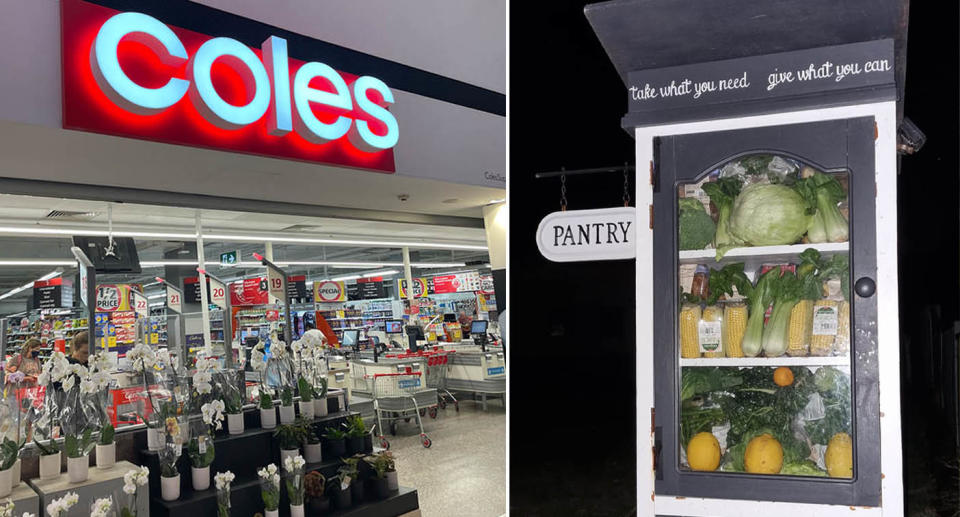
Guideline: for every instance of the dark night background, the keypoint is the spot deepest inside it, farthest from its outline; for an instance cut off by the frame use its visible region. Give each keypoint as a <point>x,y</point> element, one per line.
<point>572,420</point>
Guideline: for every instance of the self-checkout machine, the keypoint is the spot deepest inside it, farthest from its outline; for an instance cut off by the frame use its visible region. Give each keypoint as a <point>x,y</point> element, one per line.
<point>810,84</point>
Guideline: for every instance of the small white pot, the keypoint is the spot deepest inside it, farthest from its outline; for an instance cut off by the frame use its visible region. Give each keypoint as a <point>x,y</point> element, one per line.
<point>155,439</point>
<point>50,466</point>
<point>15,478</point>
<point>271,513</point>
<point>170,488</point>
<point>340,402</point>
<point>312,453</point>
<point>392,482</point>
<point>6,482</point>
<point>306,410</point>
<point>296,510</point>
<point>320,407</point>
<point>268,418</point>
<point>284,454</point>
<point>200,477</point>
<point>106,455</point>
<point>287,415</point>
<point>78,469</point>
<point>235,423</point>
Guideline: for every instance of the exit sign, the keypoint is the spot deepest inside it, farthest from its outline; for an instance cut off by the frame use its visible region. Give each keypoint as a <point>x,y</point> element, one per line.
<point>229,258</point>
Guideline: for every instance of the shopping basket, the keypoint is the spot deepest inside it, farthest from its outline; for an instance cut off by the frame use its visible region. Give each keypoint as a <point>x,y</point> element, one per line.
<point>437,368</point>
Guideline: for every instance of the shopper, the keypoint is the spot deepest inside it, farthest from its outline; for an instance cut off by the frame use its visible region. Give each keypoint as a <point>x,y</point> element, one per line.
<point>27,361</point>
<point>80,348</point>
<point>465,322</point>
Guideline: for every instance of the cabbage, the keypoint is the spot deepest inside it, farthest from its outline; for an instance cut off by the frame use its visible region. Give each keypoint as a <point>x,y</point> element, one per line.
<point>769,215</point>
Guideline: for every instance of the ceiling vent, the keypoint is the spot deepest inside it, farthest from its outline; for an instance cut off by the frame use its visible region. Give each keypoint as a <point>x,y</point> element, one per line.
<point>68,215</point>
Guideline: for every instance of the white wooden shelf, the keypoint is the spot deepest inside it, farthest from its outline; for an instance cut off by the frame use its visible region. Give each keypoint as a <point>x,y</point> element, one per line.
<point>769,253</point>
<point>765,361</point>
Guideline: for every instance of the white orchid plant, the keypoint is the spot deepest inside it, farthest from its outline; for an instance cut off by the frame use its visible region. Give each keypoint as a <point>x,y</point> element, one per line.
<point>61,507</point>
<point>222,481</point>
<point>270,487</point>
<point>102,507</point>
<point>295,488</point>
<point>133,479</point>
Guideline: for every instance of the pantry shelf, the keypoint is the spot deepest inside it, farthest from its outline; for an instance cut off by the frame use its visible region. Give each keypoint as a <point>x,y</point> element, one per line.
<point>765,361</point>
<point>789,253</point>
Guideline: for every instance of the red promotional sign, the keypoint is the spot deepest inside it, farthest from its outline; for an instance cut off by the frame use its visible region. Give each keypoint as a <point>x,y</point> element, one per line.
<point>445,284</point>
<point>252,291</point>
<point>114,69</point>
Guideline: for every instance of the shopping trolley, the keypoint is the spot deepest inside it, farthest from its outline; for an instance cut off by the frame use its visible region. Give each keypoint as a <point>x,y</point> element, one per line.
<point>399,396</point>
<point>437,368</point>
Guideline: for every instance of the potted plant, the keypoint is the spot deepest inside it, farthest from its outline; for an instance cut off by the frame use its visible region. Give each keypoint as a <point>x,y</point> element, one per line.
<point>290,436</point>
<point>222,481</point>
<point>313,485</point>
<point>320,398</point>
<point>379,464</point>
<point>336,446</point>
<point>127,499</point>
<point>9,451</point>
<point>49,459</point>
<point>233,406</point>
<point>306,398</point>
<point>61,507</point>
<point>350,470</point>
<point>338,490</point>
<point>312,449</point>
<point>356,430</point>
<point>169,475</point>
<point>392,483</point>
<point>295,491</point>
<point>270,489</point>
<point>287,413</point>
<point>106,448</point>
<point>78,448</point>
<point>268,413</point>
<point>102,507</point>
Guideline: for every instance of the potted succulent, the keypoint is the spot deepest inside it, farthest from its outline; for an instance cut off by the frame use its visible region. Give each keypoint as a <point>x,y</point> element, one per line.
<point>49,459</point>
<point>287,413</point>
<point>306,399</point>
<point>313,485</point>
<point>9,451</point>
<point>222,481</point>
<point>295,491</point>
<point>350,470</point>
<point>320,398</point>
<point>338,491</point>
<point>168,455</point>
<point>379,464</point>
<point>312,448</point>
<point>106,448</point>
<point>270,490</point>
<point>335,439</point>
<point>290,437</point>
<point>268,413</point>
<point>78,460</point>
<point>356,430</point>
<point>128,497</point>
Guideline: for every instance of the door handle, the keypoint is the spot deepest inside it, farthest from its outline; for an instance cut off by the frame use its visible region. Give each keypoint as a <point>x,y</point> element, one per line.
<point>865,287</point>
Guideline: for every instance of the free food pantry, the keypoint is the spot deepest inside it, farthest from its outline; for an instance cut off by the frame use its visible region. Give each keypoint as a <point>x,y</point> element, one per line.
<point>239,257</point>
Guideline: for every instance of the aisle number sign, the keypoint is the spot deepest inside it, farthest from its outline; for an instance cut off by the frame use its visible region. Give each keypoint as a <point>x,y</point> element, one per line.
<point>275,279</point>
<point>585,235</point>
<point>140,304</point>
<point>329,291</point>
<point>174,299</point>
<point>218,293</point>
<point>217,92</point>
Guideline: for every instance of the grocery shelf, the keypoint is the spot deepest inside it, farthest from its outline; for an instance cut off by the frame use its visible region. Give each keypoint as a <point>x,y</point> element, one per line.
<point>775,253</point>
<point>765,361</point>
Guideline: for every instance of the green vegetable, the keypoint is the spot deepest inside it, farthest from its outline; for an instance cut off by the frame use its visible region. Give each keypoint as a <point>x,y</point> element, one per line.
<point>834,388</point>
<point>723,281</point>
<point>822,193</point>
<point>838,267</point>
<point>696,227</point>
<point>723,193</point>
<point>697,381</point>
<point>803,468</point>
<point>759,298</point>
<point>786,294</point>
<point>769,215</point>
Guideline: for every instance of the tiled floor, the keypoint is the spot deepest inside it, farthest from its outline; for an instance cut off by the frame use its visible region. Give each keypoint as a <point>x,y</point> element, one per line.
<point>464,472</point>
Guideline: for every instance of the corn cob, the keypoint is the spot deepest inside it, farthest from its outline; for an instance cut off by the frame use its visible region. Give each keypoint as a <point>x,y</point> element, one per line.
<point>689,331</point>
<point>801,325</point>
<point>823,344</point>
<point>734,325</point>
<point>842,345</point>
<point>713,314</point>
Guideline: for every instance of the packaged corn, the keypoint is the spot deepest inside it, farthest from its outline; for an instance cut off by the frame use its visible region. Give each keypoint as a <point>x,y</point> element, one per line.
<point>734,326</point>
<point>826,323</point>
<point>801,328</point>
<point>689,331</point>
<point>711,332</point>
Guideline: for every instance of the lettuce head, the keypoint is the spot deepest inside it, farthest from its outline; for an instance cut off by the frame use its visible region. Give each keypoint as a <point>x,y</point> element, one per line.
<point>769,215</point>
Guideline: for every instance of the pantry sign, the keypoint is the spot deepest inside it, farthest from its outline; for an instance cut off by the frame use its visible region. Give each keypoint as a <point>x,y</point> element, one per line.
<point>132,74</point>
<point>585,235</point>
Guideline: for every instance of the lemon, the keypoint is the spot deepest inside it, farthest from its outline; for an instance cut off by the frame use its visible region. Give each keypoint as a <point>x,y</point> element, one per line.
<point>764,455</point>
<point>703,452</point>
<point>839,457</point>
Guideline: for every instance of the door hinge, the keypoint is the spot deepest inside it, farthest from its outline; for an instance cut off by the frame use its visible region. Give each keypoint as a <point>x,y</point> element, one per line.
<point>651,217</point>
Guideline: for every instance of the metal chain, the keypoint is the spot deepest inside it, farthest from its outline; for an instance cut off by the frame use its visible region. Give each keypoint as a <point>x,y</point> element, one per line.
<point>563,192</point>
<point>626,186</point>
